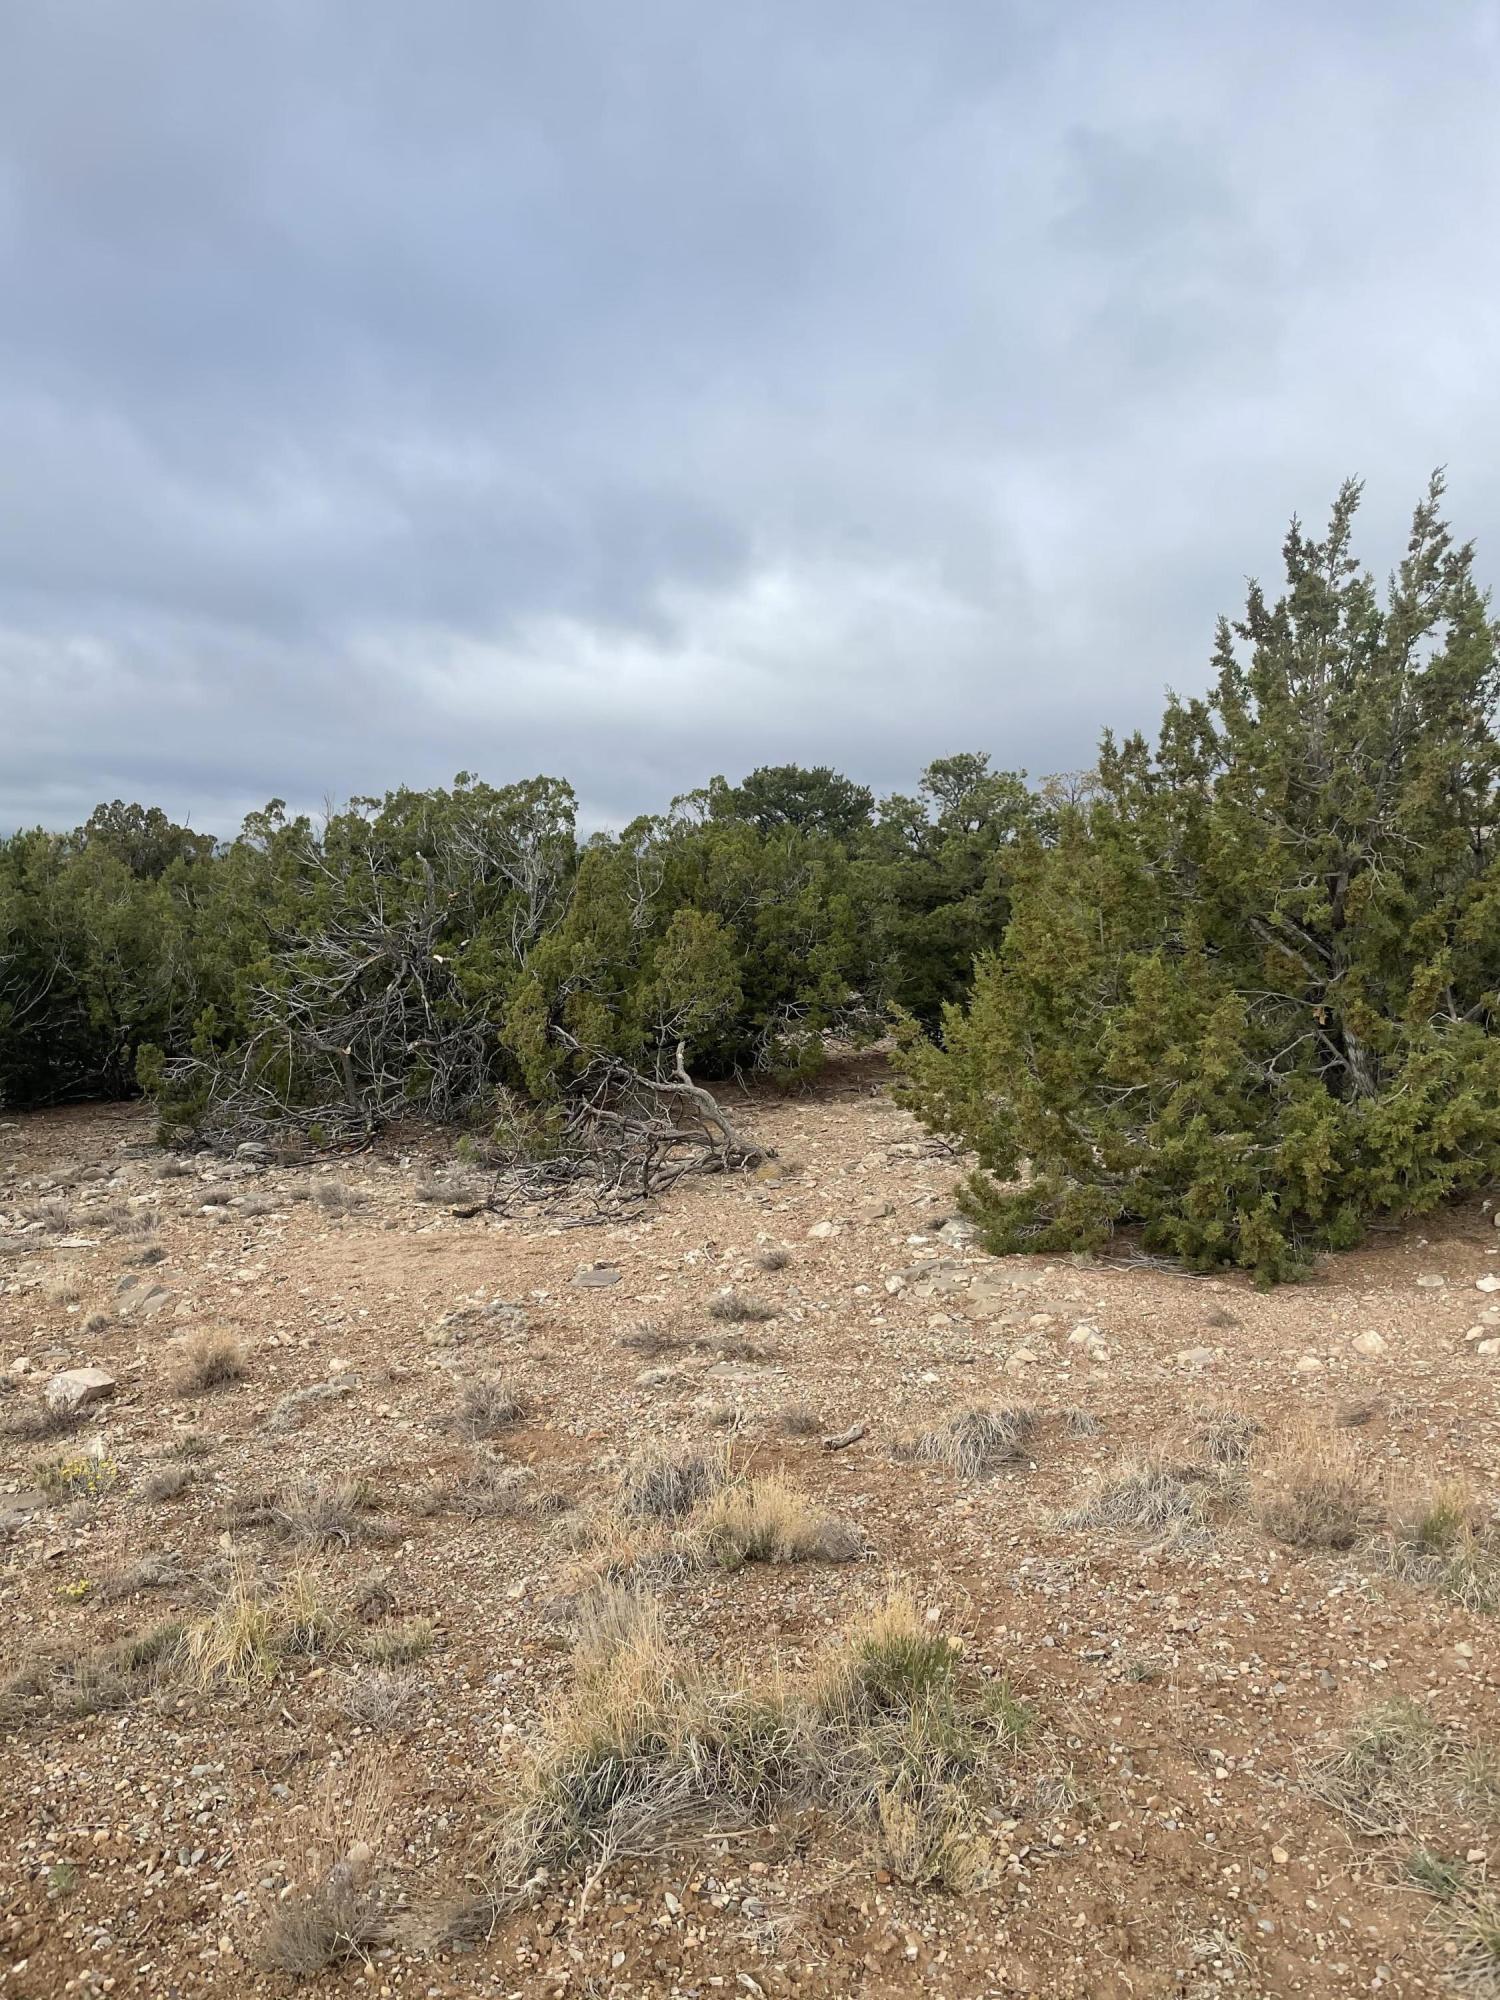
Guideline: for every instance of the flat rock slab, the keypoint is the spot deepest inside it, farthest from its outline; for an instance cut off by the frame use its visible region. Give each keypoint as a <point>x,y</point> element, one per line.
<point>593,1276</point>
<point>77,1388</point>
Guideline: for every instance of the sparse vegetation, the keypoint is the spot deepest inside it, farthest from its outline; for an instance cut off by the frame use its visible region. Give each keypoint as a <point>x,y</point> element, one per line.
<point>1151,1496</point>
<point>739,1309</point>
<point>665,1485</point>
<point>320,1901</point>
<point>765,1520</point>
<point>254,1627</point>
<point>399,1643</point>
<point>972,1442</point>
<point>489,1406</point>
<point>1320,1494</point>
<point>890,1731</point>
<point>203,1361</point>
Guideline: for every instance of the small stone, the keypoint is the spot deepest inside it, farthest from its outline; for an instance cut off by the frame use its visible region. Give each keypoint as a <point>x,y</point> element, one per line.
<point>1022,1358</point>
<point>78,1388</point>
<point>594,1276</point>
<point>1195,1357</point>
<point>1432,1284</point>
<point>1488,1283</point>
<point>1369,1342</point>
<point>1280,1856</point>
<point>820,1231</point>
<point>1309,1364</point>
<point>1488,1348</point>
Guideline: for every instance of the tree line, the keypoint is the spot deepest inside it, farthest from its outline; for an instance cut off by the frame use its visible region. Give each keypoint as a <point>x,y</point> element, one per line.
<point>1235,991</point>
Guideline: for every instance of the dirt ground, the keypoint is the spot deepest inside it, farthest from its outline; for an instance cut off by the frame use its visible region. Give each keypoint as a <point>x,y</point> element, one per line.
<point>1166,1834</point>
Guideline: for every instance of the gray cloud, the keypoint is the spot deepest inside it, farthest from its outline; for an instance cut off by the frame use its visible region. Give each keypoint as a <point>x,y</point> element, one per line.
<point>634,393</point>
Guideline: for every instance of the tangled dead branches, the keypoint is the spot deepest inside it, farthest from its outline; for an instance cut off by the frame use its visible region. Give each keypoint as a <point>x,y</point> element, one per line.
<point>623,1134</point>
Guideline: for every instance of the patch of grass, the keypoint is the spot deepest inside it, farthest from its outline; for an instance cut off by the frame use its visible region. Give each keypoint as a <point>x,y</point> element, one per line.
<point>1147,1496</point>
<point>766,1520</point>
<point>1320,1494</point>
<point>722,1416</point>
<point>1443,1541</point>
<point>666,1485</point>
<point>775,1259</point>
<point>972,1442</point>
<point>1438,1874</point>
<point>1398,1763</point>
<point>322,1903</point>
<point>1080,1423</point>
<point>1226,1437</point>
<point>315,1512</point>
<point>203,1361</point>
<point>60,1287</point>
<point>378,1699</point>
<point>485,1487</point>
<point>152,1254</point>
<point>739,1309</point>
<point>253,1628</point>
<point>192,1448</point>
<point>96,1322</point>
<point>889,1732</point>
<point>489,1406</point>
<point>54,1218</point>
<point>399,1643</point>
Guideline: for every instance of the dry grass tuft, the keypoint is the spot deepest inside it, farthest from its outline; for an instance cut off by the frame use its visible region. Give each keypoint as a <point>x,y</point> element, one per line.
<point>1226,1437</point>
<point>739,1309</point>
<point>665,1485</point>
<point>254,1628</point>
<point>1442,1540</point>
<point>39,1423</point>
<point>489,1406</point>
<point>204,1361</point>
<point>775,1259</point>
<point>766,1520</point>
<point>315,1512</point>
<point>1320,1494</point>
<point>375,1698</point>
<point>485,1487</point>
<point>320,1902</point>
<point>1151,1496</point>
<point>972,1442</point>
<point>398,1644</point>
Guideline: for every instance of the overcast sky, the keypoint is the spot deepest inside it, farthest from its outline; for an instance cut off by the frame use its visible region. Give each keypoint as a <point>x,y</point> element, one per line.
<point>638,391</point>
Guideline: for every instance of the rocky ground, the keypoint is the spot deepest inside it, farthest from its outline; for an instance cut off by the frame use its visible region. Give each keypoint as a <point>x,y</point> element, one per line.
<point>1172,1824</point>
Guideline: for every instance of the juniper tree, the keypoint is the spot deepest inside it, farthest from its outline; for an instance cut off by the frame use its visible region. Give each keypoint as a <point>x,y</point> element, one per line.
<point>1248,997</point>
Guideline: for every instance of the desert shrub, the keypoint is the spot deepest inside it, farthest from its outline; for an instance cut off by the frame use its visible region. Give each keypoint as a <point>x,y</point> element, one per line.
<point>1319,1494</point>
<point>1245,1002</point>
<point>665,1485</point>
<point>202,1361</point>
<point>766,1520</point>
<point>975,1441</point>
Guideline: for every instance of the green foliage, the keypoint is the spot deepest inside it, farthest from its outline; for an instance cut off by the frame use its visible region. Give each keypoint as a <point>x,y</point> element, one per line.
<point>1248,992</point>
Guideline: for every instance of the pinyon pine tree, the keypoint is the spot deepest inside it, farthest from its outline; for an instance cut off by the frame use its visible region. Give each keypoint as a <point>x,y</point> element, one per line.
<point>1249,996</point>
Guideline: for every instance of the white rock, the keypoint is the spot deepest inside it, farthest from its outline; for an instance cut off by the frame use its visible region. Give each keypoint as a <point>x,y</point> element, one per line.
<point>1488,1348</point>
<point>1432,1284</point>
<point>1195,1357</point>
<point>1488,1283</point>
<point>1309,1364</point>
<point>1369,1342</point>
<point>820,1231</point>
<point>77,1388</point>
<point>1022,1358</point>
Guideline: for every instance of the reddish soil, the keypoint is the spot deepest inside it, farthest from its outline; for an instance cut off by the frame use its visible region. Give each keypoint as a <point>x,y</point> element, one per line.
<point>1164,1838</point>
